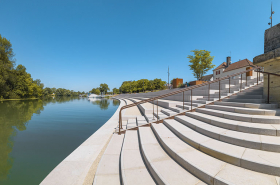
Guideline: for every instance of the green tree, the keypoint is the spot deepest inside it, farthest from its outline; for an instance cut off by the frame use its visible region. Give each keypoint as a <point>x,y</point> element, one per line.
<point>201,62</point>
<point>104,88</point>
<point>116,91</point>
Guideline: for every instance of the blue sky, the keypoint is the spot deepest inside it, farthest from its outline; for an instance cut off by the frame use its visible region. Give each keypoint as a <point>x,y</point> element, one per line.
<point>78,44</point>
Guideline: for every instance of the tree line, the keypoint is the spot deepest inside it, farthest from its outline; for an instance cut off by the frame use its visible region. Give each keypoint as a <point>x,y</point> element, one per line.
<point>142,85</point>
<point>16,83</point>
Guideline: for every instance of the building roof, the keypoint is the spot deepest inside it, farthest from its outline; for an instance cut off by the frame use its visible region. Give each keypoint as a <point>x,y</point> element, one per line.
<point>223,65</point>
<point>206,77</point>
<point>239,64</point>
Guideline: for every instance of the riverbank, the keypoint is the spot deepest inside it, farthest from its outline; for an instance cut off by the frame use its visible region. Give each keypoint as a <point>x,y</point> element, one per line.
<point>19,99</point>
<point>79,167</point>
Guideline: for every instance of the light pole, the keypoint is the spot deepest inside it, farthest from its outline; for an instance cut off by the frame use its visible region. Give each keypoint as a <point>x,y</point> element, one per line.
<point>168,77</point>
<point>272,12</point>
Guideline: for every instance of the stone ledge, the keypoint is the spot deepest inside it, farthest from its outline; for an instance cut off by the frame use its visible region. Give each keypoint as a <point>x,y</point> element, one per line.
<point>275,54</point>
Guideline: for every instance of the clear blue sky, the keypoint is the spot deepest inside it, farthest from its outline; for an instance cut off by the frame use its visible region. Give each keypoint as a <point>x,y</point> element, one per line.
<point>78,44</point>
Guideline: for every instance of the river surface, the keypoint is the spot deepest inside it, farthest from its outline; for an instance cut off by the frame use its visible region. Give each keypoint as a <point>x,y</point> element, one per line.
<point>36,135</point>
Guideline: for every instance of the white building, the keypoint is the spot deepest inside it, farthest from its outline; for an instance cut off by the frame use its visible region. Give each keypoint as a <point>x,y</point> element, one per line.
<point>228,68</point>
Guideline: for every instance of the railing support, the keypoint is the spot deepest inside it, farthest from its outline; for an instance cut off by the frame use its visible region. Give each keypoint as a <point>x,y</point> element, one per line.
<point>191,99</point>
<point>153,109</point>
<point>268,81</point>
<point>209,92</point>
<point>229,85</point>
<point>157,109</point>
<point>220,90</point>
<point>183,99</point>
<point>241,84</point>
<point>257,77</point>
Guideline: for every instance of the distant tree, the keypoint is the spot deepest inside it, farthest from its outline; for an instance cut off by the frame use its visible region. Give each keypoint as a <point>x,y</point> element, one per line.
<point>95,91</point>
<point>104,88</point>
<point>201,62</point>
<point>116,91</point>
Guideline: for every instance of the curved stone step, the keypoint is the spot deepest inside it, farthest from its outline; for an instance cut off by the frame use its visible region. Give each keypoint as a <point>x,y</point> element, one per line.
<point>133,169</point>
<point>248,105</point>
<point>246,96</point>
<point>256,160</point>
<point>168,112</point>
<point>244,110</point>
<point>247,127</point>
<point>254,141</point>
<point>108,168</point>
<point>210,170</point>
<point>241,117</point>
<point>162,167</point>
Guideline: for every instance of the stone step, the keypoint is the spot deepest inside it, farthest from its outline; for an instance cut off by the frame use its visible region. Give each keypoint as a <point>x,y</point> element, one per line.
<point>193,104</point>
<point>162,167</point>
<point>241,117</point>
<point>177,109</point>
<point>133,169</point>
<point>247,127</point>
<point>251,159</point>
<point>244,110</point>
<point>244,100</point>
<point>108,168</point>
<point>248,105</point>
<point>208,169</point>
<point>168,112</point>
<point>160,115</point>
<point>131,123</point>
<point>246,96</point>
<point>254,141</point>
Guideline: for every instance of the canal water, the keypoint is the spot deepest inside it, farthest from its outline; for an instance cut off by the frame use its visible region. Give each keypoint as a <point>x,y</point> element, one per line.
<point>36,135</point>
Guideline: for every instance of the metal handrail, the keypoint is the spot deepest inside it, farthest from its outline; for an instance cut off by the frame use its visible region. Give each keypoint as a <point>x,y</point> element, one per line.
<point>187,89</point>
<point>268,82</point>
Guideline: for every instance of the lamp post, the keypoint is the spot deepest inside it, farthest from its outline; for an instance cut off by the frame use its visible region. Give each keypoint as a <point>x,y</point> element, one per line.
<point>272,12</point>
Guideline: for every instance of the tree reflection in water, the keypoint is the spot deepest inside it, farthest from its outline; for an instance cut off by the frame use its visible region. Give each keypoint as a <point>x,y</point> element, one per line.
<point>103,103</point>
<point>14,115</point>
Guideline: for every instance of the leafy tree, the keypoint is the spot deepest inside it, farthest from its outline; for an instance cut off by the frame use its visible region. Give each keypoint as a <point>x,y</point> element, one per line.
<point>95,91</point>
<point>104,88</point>
<point>201,62</point>
<point>116,91</point>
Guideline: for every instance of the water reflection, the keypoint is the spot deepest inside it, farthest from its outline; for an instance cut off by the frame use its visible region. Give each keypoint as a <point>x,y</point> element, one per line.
<point>14,117</point>
<point>103,102</point>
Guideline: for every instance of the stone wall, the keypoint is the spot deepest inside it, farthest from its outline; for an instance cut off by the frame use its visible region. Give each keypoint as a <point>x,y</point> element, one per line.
<point>270,60</point>
<point>272,38</point>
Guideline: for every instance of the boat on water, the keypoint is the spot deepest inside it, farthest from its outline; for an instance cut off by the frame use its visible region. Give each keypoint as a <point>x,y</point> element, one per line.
<point>94,96</point>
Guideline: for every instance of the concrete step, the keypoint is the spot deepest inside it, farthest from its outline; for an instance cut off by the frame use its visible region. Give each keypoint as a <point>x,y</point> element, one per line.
<point>108,168</point>
<point>162,167</point>
<point>246,96</point>
<point>244,110</point>
<point>168,112</point>
<point>141,120</point>
<point>240,126</point>
<point>178,110</point>
<point>241,117</point>
<point>131,123</point>
<point>207,168</point>
<point>160,115</point>
<point>248,105</point>
<point>193,104</point>
<point>251,159</point>
<point>254,141</point>
<point>133,169</point>
<point>244,100</point>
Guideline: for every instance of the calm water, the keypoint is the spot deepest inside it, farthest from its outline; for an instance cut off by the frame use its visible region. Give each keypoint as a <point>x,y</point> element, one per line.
<point>36,135</point>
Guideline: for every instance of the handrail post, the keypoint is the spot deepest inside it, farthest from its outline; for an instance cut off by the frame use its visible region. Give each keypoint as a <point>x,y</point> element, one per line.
<point>120,121</point>
<point>191,99</point>
<point>241,84</point>
<point>219,90</point>
<point>258,77</point>
<point>246,79</point>
<point>157,109</point>
<point>229,85</point>
<point>183,99</point>
<point>268,81</point>
<point>153,109</point>
<point>209,92</point>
